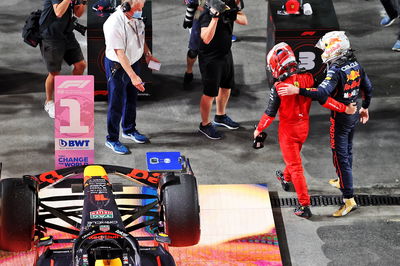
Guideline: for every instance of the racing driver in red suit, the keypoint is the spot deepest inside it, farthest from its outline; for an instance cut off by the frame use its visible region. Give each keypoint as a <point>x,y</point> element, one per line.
<point>293,118</point>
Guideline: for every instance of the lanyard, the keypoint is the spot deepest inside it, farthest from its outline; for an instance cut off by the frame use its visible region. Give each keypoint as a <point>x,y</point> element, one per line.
<point>135,30</point>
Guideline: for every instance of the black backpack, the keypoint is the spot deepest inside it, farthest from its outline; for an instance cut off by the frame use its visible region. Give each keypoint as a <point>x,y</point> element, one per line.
<point>31,29</point>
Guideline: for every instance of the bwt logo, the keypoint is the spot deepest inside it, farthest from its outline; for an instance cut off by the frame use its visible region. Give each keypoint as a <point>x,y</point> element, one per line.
<point>74,83</point>
<point>74,143</point>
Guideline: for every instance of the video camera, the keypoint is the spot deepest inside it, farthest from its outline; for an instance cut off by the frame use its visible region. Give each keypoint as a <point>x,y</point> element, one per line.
<point>227,9</point>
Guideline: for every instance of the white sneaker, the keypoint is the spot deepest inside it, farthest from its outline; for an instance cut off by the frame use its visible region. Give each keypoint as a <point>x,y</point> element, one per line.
<point>49,108</point>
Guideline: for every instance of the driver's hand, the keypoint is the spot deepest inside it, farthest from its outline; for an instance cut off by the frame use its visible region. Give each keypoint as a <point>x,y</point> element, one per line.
<point>286,89</point>
<point>364,115</point>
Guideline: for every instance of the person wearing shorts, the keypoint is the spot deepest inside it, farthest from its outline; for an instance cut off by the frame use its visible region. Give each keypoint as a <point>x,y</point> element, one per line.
<point>59,43</point>
<point>216,67</point>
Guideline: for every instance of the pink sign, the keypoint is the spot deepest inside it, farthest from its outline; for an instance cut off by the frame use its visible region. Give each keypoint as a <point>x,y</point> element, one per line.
<point>74,121</point>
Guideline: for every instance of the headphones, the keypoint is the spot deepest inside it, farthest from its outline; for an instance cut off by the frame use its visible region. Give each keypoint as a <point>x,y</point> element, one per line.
<point>126,7</point>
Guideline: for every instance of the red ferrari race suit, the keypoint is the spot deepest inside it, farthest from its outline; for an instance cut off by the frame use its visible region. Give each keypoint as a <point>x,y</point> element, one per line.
<point>293,128</point>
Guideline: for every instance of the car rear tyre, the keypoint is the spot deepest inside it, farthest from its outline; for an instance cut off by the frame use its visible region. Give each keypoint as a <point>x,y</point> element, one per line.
<point>18,201</point>
<point>182,211</point>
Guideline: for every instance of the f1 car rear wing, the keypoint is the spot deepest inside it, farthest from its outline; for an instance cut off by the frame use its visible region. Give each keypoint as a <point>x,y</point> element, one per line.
<point>141,176</point>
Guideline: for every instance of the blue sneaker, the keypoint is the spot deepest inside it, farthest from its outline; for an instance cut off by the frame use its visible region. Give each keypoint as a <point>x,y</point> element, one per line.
<point>396,46</point>
<point>225,121</point>
<point>234,38</point>
<point>210,131</point>
<point>387,21</point>
<point>117,147</point>
<point>136,137</point>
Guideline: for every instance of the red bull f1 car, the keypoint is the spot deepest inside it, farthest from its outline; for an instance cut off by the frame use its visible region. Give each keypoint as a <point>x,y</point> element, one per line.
<point>104,231</point>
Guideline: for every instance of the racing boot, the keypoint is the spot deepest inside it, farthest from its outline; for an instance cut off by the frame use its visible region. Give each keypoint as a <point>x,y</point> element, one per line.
<point>303,211</point>
<point>285,184</point>
<point>334,182</point>
<point>348,206</point>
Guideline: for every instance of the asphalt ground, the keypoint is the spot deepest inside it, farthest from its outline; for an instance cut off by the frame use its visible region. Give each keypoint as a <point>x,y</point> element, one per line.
<point>368,236</point>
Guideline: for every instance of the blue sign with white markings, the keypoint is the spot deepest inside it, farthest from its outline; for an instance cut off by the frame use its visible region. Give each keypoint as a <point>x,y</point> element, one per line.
<point>163,161</point>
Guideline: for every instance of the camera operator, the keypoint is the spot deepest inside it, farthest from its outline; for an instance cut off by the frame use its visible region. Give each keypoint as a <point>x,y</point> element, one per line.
<point>59,42</point>
<point>216,62</point>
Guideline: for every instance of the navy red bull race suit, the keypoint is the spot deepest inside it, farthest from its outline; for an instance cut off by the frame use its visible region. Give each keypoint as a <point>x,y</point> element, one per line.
<point>293,128</point>
<point>345,82</point>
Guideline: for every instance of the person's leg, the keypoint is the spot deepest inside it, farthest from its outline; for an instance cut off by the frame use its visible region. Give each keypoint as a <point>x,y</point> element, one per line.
<point>396,46</point>
<point>390,8</point>
<point>294,164</point>
<point>116,97</point>
<point>52,54</point>
<point>291,147</point>
<point>210,75</point>
<point>341,133</point>
<point>192,53</point>
<point>79,68</point>
<point>286,175</point>
<point>128,122</point>
<point>350,148</point>
<point>291,143</point>
<point>74,56</point>
<point>205,109</point>
<point>391,11</point>
<point>227,82</point>
<point>342,160</point>
<point>222,100</point>
<point>49,86</point>
<point>206,127</point>
<point>190,60</point>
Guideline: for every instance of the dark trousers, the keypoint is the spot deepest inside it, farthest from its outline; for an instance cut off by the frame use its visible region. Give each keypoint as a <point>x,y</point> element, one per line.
<point>122,97</point>
<point>341,137</point>
<point>391,7</point>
